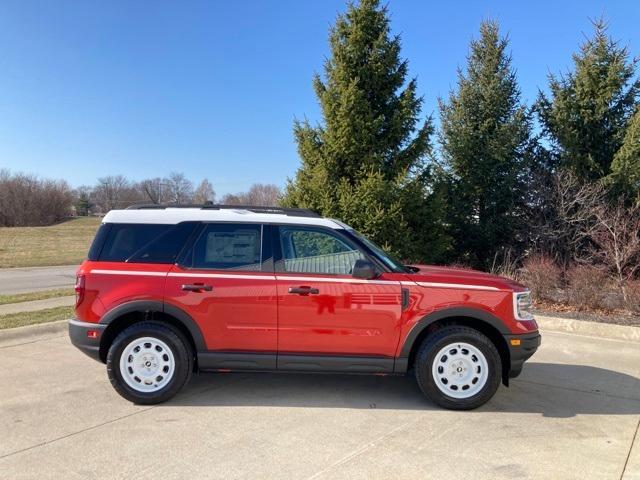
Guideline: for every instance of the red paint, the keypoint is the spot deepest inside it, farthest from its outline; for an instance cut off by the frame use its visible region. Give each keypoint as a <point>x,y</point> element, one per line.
<point>344,318</point>
<point>253,311</point>
<point>239,313</point>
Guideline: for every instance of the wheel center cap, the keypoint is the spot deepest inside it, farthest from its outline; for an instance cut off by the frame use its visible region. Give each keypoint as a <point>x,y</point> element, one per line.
<point>147,363</point>
<point>459,369</point>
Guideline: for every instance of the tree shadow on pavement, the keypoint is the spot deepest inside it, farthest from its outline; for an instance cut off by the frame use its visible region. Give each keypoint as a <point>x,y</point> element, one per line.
<point>550,389</point>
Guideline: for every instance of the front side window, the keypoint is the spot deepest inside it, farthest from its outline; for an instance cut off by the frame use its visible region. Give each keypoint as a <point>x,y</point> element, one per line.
<point>309,250</point>
<point>393,264</point>
<point>228,247</point>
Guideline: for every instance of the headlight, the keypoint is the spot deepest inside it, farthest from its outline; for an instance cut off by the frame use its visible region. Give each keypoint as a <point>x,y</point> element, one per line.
<point>522,306</point>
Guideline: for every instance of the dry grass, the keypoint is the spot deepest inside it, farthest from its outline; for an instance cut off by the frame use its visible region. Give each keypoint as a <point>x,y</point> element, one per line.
<point>13,320</point>
<point>66,243</point>
<point>28,297</point>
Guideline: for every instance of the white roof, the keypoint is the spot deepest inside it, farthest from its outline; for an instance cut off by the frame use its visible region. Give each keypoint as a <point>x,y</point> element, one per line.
<point>176,215</point>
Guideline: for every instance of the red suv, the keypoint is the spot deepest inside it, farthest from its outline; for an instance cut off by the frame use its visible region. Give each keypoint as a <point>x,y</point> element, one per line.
<point>167,291</point>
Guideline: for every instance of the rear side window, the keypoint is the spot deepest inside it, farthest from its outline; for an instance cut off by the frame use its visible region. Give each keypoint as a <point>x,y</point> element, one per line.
<point>98,241</point>
<point>228,247</point>
<point>144,243</point>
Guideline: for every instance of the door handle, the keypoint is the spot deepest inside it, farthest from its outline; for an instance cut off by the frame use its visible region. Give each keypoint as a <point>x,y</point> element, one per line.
<point>304,290</point>
<point>197,287</point>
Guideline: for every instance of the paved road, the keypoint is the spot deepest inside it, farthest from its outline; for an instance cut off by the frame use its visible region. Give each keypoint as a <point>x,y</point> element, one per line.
<point>572,414</point>
<point>32,279</point>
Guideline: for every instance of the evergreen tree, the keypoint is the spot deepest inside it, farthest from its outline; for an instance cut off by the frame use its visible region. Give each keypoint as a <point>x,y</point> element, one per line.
<point>83,205</point>
<point>625,167</point>
<point>589,109</point>
<point>365,164</point>
<point>485,138</point>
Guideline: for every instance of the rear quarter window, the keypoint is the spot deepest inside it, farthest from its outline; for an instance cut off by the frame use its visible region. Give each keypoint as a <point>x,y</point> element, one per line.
<point>141,243</point>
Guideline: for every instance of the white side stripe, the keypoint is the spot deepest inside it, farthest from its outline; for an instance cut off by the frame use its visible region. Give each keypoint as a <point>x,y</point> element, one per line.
<point>129,272</point>
<point>337,280</point>
<point>294,278</point>
<point>459,286</point>
<point>223,275</point>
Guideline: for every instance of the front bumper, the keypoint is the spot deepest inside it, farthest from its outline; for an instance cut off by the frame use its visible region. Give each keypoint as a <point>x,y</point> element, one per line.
<point>519,353</point>
<point>79,333</point>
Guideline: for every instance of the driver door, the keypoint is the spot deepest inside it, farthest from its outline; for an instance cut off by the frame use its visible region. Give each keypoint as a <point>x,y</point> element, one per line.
<point>322,309</point>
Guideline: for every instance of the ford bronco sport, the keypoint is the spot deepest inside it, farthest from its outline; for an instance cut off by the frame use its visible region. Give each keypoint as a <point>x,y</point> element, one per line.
<point>167,291</point>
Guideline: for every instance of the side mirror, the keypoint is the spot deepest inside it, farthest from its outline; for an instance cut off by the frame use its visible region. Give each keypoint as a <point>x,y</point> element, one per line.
<point>364,269</point>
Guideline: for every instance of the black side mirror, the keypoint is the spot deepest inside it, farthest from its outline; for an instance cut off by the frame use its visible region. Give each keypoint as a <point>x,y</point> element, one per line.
<point>364,269</point>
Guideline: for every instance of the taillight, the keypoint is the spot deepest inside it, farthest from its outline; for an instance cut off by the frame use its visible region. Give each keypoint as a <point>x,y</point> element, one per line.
<point>79,289</point>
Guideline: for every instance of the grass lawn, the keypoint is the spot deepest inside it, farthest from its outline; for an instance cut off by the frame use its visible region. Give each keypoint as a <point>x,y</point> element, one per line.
<point>27,297</point>
<point>66,243</point>
<point>13,320</point>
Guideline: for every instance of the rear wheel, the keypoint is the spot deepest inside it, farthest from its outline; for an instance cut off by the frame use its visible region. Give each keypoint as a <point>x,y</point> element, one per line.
<point>458,368</point>
<point>149,363</point>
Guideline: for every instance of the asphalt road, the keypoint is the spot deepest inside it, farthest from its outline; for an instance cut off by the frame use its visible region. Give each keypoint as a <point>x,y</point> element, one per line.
<point>572,414</point>
<point>33,279</point>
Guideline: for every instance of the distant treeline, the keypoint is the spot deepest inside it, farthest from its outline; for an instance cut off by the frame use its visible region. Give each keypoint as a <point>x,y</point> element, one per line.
<point>27,200</point>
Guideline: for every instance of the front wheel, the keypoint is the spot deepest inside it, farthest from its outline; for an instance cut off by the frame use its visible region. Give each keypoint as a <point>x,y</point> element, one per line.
<point>458,368</point>
<point>149,362</point>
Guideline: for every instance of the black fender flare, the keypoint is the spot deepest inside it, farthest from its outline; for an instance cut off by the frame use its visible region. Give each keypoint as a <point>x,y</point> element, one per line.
<point>452,312</point>
<point>155,306</point>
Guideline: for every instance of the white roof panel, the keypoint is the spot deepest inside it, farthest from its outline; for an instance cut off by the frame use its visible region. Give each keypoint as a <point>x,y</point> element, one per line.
<point>176,215</point>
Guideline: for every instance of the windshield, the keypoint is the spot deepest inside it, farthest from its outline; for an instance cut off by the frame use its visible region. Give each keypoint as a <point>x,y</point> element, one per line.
<point>383,256</point>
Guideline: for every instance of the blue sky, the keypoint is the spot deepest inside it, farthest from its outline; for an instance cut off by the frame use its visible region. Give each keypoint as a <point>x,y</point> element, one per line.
<point>143,88</point>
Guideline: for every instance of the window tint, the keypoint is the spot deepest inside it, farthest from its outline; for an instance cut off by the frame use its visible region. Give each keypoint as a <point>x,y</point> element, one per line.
<point>306,250</point>
<point>98,242</point>
<point>165,247</point>
<point>125,239</point>
<point>228,247</point>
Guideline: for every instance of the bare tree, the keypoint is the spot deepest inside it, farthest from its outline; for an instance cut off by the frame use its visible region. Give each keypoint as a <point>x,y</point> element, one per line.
<point>204,193</point>
<point>562,217</point>
<point>26,200</point>
<point>109,192</point>
<point>616,239</point>
<point>179,188</point>
<point>263,194</point>
<point>154,190</point>
<point>267,195</point>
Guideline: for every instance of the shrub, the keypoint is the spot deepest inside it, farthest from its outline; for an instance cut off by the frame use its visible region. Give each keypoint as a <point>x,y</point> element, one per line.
<point>633,296</point>
<point>26,200</point>
<point>588,287</point>
<point>541,274</point>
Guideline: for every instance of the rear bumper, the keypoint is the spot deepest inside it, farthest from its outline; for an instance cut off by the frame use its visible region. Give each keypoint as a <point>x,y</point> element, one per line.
<point>518,354</point>
<point>79,335</point>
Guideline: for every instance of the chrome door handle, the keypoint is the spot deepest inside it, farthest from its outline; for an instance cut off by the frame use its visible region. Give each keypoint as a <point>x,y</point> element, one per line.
<point>304,290</point>
<point>197,287</point>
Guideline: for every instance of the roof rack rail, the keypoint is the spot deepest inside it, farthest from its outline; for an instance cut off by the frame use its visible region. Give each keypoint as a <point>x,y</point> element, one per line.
<point>292,212</point>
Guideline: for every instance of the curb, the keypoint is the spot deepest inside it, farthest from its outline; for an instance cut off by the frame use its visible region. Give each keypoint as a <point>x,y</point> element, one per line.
<point>591,329</point>
<point>32,333</point>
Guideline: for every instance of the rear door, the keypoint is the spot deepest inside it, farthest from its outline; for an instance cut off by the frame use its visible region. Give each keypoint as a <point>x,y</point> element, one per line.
<point>322,309</point>
<point>225,282</point>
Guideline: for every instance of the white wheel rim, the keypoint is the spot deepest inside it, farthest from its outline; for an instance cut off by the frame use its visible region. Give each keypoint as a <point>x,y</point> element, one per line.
<point>460,370</point>
<point>147,364</point>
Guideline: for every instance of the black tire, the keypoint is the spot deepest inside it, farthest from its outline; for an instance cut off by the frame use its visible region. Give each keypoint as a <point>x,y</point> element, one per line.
<point>440,339</point>
<point>177,343</point>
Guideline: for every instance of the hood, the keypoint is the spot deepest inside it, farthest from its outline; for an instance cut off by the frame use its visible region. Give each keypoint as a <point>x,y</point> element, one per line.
<point>463,277</point>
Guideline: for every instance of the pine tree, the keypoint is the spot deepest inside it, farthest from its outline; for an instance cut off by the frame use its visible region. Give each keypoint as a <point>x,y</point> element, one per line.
<point>589,108</point>
<point>625,167</point>
<point>361,162</point>
<point>485,138</point>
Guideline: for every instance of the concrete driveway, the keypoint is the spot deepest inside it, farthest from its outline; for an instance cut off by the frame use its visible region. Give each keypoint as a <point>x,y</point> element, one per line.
<point>572,414</point>
<point>32,279</point>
